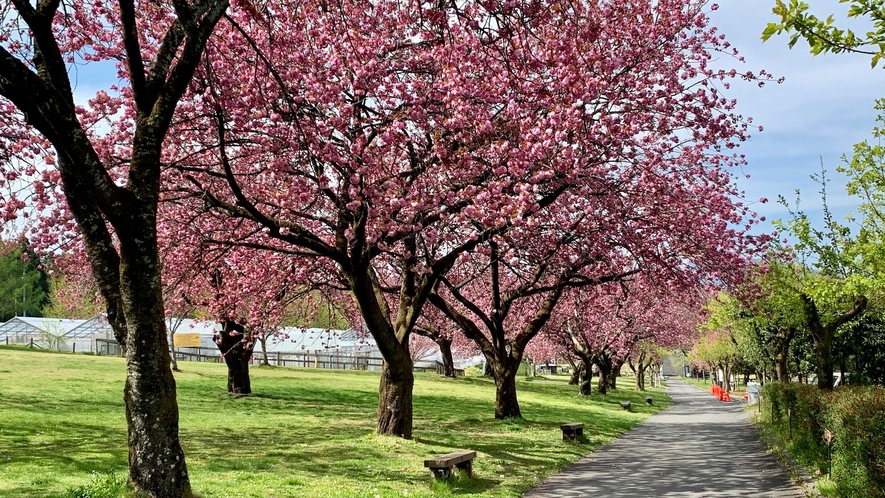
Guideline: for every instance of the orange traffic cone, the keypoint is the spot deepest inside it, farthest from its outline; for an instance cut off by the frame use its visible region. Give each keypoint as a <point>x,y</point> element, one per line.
<point>725,396</point>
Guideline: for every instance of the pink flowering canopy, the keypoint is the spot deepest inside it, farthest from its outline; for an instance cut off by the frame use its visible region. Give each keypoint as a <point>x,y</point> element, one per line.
<point>619,321</point>
<point>440,122</point>
<point>382,141</point>
<point>451,123</point>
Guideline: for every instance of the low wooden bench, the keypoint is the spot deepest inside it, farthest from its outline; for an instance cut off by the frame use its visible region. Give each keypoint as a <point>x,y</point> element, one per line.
<point>572,431</point>
<point>442,466</point>
<point>625,405</point>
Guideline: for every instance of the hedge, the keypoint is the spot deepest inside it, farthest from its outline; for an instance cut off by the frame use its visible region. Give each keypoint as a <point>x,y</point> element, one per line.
<point>856,418</point>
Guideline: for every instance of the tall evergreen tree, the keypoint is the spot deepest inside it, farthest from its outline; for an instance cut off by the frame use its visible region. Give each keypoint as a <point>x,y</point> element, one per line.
<point>23,284</point>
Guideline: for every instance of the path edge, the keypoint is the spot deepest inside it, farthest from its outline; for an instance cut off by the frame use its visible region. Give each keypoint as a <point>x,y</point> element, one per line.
<point>798,474</point>
<point>589,455</point>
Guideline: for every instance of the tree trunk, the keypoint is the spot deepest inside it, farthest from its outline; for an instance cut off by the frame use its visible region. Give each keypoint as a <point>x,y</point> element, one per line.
<point>823,336</point>
<point>613,376</point>
<point>726,380</point>
<point>575,378</point>
<point>263,340</point>
<point>238,381</point>
<point>156,460</point>
<point>640,377</point>
<point>587,377</point>
<point>506,404</point>
<point>395,398</point>
<point>172,352</point>
<point>605,368</point>
<point>780,364</point>
<point>782,354</point>
<point>232,343</point>
<point>445,350</point>
<point>823,351</point>
<point>615,373</point>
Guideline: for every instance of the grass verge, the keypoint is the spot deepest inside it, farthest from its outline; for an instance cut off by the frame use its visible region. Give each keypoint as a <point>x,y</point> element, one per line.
<point>795,470</point>
<point>304,433</point>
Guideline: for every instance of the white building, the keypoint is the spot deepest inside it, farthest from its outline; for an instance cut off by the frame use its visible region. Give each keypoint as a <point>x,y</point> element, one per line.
<point>62,334</point>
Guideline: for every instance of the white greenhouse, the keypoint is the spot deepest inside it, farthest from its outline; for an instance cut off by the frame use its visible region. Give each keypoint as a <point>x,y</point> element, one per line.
<point>63,334</point>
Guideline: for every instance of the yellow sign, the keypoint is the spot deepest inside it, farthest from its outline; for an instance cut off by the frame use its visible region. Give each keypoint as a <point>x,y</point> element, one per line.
<point>187,340</point>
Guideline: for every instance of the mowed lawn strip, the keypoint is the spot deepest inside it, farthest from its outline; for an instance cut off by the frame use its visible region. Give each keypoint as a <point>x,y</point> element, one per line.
<point>304,433</point>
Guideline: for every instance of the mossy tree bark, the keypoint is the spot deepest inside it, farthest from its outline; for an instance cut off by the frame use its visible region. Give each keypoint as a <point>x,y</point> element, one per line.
<point>604,364</point>
<point>127,271</point>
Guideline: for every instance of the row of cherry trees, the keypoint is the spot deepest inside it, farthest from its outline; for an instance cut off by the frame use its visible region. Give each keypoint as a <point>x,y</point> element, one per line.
<point>634,323</point>
<point>488,160</point>
<point>483,168</point>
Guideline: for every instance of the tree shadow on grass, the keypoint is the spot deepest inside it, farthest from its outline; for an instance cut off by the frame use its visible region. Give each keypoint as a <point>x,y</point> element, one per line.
<point>465,486</point>
<point>42,404</point>
<point>98,447</point>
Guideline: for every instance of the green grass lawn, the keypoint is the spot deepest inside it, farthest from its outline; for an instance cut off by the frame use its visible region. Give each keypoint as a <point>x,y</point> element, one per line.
<point>304,433</point>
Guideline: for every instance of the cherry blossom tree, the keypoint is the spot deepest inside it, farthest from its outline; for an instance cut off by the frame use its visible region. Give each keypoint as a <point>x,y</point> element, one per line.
<point>671,323</point>
<point>46,136</point>
<point>645,357</point>
<point>600,328</point>
<point>629,322</point>
<point>247,291</point>
<point>435,327</point>
<point>502,297</point>
<point>386,140</point>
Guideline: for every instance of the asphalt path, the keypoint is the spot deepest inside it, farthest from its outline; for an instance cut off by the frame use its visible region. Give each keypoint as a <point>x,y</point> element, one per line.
<point>699,447</point>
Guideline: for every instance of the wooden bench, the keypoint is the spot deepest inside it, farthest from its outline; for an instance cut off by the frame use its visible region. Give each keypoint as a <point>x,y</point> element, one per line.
<point>572,431</point>
<point>442,466</point>
<point>625,405</point>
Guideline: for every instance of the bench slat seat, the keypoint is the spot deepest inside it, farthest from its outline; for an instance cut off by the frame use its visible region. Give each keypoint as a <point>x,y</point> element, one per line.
<point>442,465</point>
<point>572,431</point>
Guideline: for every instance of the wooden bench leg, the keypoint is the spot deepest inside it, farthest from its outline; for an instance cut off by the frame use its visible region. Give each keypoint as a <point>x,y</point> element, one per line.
<point>442,474</point>
<point>572,434</point>
<point>466,466</point>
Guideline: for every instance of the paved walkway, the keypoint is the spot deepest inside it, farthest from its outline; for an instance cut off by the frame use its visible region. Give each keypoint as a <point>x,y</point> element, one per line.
<point>699,447</point>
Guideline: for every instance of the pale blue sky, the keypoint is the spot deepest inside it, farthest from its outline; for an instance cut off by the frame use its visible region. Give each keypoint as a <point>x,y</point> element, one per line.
<point>823,107</point>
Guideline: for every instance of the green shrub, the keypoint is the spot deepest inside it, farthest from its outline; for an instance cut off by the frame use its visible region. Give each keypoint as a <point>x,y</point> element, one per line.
<point>805,440</point>
<point>773,396</point>
<point>108,485</point>
<point>808,432</point>
<point>856,417</point>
